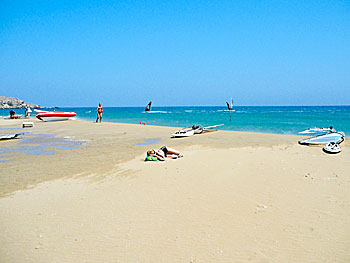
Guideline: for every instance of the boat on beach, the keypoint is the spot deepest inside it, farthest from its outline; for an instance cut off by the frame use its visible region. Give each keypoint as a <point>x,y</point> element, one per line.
<point>186,132</point>
<point>336,137</point>
<point>195,129</point>
<point>10,136</point>
<point>54,116</point>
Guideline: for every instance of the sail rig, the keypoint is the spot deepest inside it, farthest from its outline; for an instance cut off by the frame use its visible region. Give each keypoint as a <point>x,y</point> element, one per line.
<point>230,107</point>
<point>148,107</point>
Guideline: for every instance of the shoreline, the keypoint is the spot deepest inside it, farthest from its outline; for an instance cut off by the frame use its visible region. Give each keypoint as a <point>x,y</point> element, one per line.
<point>260,119</point>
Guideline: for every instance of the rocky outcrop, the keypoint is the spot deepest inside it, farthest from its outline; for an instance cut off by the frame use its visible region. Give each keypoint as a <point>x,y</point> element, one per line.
<point>14,103</point>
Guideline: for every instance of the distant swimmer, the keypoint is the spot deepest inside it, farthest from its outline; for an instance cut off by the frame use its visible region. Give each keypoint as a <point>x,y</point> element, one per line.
<point>99,112</point>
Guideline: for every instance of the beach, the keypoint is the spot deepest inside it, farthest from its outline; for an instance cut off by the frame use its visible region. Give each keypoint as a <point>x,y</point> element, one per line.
<point>233,197</point>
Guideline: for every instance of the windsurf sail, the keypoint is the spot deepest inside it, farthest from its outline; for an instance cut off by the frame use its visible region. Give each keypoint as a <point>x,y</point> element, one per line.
<point>315,130</point>
<point>212,127</point>
<point>148,107</point>
<point>230,107</point>
<point>336,137</point>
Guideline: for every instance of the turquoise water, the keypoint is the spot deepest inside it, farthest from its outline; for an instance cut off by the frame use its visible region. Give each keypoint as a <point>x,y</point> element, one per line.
<point>39,144</point>
<point>264,119</point>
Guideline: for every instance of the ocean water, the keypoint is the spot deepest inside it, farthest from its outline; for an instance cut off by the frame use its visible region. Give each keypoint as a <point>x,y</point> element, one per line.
<point>263,119</point>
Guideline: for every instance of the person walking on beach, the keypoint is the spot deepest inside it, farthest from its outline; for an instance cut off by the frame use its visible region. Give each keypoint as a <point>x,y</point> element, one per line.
<point>99,112</point>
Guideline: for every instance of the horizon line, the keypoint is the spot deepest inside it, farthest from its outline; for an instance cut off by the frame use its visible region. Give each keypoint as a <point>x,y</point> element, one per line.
<point>224,106</point>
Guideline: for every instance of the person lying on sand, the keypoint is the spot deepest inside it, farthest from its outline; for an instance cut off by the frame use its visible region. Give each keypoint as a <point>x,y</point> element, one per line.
<point>162,153</point>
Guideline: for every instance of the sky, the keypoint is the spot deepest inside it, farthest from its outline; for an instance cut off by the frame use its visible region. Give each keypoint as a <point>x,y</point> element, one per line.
<point>175,53</point>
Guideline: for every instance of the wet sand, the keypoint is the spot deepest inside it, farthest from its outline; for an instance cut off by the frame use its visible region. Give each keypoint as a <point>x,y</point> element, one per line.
<point>233,197</point>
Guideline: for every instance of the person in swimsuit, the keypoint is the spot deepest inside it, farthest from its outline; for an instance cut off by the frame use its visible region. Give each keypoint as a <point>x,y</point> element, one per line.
<point>99,112</point>
<point>332,129</point>
<point>162,153</point>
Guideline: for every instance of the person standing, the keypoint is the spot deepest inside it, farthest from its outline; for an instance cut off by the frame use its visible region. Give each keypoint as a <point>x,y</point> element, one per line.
<point>99,112</point>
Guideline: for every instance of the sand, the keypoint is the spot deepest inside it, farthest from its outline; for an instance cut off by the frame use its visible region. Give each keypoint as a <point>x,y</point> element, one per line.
<point>233,197</point>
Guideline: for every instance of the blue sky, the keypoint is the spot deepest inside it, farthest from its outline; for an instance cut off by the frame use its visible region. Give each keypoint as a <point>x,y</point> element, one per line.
<point>125,53</point>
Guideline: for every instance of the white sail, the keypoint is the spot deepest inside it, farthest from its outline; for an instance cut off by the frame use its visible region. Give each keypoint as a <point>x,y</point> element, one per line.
<point>336,137</point>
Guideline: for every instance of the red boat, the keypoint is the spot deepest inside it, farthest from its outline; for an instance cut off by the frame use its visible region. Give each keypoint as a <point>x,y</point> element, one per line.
<point>54,116</point>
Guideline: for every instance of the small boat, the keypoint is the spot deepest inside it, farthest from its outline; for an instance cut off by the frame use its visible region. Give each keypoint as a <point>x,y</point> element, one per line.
<point>148,107</point>
<point>332,148</point>
<point>10,136</point>
<point>54,116</point>
<point>336,137</point>
<point>183,133</point>
<point>316,130</point>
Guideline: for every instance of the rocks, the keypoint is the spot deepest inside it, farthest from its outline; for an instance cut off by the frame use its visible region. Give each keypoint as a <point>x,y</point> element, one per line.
<point>14,103</point>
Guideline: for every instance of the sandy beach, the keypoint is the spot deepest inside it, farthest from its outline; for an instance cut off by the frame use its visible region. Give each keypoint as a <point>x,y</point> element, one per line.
<point>233,197</point>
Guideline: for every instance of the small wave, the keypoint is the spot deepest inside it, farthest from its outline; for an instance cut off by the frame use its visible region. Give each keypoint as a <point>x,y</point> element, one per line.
<point>189,111</point>
<point>156,111</point>
<point>225,110</point>
<point>88,111</point>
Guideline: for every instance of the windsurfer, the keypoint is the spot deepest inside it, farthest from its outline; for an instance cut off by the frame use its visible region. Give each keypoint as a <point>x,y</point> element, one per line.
<point>148,107</point>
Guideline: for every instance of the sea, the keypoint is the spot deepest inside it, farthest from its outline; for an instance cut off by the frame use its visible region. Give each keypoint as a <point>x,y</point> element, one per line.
<point>262,119</point>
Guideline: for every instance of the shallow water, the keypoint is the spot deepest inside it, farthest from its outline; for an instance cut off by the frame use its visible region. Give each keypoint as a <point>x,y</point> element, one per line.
<point>10,128</point>
<point>40,144</point>
<point>149,141</point>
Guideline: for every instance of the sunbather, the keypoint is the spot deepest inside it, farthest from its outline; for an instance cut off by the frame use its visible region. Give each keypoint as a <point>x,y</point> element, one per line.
<point>162,153</point>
